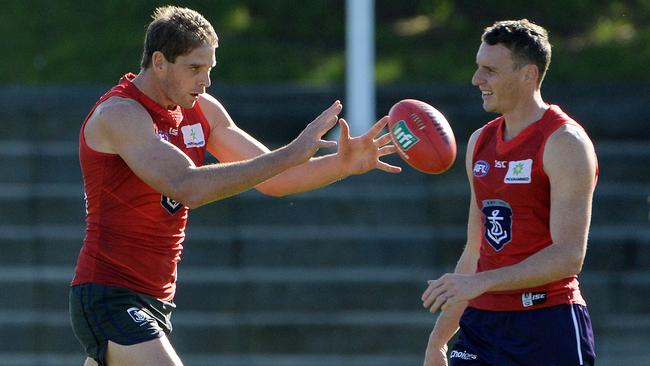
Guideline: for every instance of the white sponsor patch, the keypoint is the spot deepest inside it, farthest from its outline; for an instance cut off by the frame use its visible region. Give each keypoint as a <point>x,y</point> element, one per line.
<point>519,172</point>
<point>193,135</point>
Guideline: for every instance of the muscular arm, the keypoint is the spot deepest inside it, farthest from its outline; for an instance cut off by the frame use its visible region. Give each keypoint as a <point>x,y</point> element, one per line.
<point>123,127</point>
<point>358,155</point>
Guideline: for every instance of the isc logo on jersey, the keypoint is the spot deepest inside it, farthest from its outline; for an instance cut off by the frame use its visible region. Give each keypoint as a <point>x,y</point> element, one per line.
<point>529,299</point>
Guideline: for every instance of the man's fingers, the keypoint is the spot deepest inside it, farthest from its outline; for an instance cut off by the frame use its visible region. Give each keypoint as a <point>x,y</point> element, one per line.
<point>379,125</point>
<point>383,140</point>
<point>440,301</point>
<point>426,292</point>
<point>323,126</point>
<point>324,144</point>
<point>388,168</point>
<point>430,298</point>
<point>387,150</point>
<point>336,107</point>
<point>345,129</point>
<point>429,290</point>
<point>330,115</point>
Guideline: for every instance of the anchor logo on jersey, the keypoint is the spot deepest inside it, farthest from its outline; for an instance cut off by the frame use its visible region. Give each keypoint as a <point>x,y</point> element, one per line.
<point>170,205</point>
<point>498,223</point>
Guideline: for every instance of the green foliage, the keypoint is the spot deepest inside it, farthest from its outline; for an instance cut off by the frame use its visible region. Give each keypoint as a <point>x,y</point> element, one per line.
<point>75,41</point>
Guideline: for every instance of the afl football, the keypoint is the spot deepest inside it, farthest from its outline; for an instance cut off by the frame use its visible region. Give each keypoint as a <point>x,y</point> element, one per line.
<point>423,137</point>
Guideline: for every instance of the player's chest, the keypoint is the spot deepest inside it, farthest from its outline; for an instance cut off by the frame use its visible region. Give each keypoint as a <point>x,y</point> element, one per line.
<point>190,137</point>
<point>516,175</point>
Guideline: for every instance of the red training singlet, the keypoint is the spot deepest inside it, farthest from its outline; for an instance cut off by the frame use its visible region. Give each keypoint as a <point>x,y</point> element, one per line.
<point>134,235</point>
<point>513,194</point>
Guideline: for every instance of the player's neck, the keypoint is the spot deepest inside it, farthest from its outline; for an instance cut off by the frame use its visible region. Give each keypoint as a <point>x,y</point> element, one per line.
<point>524,114</point>
<point>147,83</point>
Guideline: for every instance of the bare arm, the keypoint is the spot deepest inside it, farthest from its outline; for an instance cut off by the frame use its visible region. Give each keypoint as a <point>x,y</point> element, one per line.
<point>448,319</point>
<point>124,127</point>
<point>355,155</point>
<point>570,163</point>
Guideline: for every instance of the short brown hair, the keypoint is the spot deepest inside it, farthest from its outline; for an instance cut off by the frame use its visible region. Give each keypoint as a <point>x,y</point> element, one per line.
<point>176,31</point>
<point>527,41</point>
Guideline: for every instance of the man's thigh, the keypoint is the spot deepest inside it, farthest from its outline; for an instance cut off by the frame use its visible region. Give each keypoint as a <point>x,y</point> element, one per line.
<point>156,352</point>
<point>101,314</point>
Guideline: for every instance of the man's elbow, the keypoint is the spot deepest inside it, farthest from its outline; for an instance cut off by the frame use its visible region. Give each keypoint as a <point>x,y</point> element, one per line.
<point>181,190</point>
<point>273,190</point>
<point>574,263</point>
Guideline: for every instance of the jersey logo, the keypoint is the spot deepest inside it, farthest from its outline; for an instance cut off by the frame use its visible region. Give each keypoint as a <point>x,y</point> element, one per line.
<point>170,205</point>
<point>481,168</point>
<point>163,136</point>
<point>519,172</point>
<point>193,135</point>
<point>138,315</point>
<point>498,223</point>
<point>529,299</point>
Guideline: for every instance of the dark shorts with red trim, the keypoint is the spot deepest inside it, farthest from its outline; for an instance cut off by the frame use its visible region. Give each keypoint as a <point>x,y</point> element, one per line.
<point>559,335</point>
<point>101,313</point>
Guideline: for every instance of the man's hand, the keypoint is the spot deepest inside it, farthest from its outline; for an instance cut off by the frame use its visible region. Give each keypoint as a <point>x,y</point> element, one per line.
<point>361,154</point>
<point>310,139</point>
<point>450,289</point>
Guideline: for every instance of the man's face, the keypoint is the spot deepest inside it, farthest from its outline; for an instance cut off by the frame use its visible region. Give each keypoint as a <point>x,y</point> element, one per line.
<point>500,83</point>
<point>189,76</point>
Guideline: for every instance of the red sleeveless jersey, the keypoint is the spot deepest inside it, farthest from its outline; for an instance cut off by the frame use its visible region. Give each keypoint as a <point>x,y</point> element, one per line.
<point>513,194</point>
<point>134,234</point>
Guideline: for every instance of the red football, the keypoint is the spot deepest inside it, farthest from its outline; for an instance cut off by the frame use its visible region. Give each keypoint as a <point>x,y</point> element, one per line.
<point>422,135</point>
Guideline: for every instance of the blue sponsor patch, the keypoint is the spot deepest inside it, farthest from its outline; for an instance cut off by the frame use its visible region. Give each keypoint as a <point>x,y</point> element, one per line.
<point>498,223</point>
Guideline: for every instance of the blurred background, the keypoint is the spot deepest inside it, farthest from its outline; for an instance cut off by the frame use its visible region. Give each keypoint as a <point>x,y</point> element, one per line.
<point>331,277</point>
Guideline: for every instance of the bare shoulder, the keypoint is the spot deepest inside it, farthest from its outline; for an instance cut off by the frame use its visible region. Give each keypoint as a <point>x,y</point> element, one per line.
<point>569,150</point>
<point>119,111</point>
<point>115,118</point>
<point>214,111</point>
<point>473,137</point>
<point>471,143</point>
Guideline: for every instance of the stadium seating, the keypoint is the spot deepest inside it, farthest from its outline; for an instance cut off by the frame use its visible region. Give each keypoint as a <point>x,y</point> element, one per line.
<point>331,277</point>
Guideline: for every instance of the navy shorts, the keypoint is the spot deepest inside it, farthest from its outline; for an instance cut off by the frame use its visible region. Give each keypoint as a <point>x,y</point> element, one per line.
<point>555,336</point>
<point>101,313</point>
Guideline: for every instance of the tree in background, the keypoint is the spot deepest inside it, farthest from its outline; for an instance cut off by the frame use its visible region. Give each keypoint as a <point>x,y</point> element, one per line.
<point>418,41</point>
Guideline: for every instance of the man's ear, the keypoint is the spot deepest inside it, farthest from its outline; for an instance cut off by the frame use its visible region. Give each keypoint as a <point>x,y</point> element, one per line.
<point>531,72</point>
<point>158,61</point>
